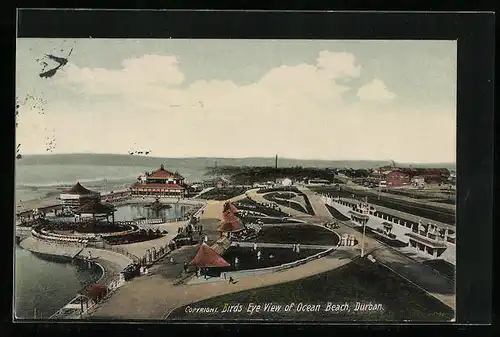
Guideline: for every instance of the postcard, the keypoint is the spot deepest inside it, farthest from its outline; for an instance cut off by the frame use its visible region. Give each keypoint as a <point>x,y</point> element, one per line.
<point>208,180</point>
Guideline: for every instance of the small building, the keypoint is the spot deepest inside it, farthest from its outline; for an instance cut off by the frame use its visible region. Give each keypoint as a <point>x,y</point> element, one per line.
<point>77,196</point>
<point>427,245</point>
<point>397,179</point>
<point>206,257</point>
<point>160,183</point>
<point>286,182</point>
<point>220,182</point>
<point>418,181</point>
<point>318,182</point>
<point>96,210</point>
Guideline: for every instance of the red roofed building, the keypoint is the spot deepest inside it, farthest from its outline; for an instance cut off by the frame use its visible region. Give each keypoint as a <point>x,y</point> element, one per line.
<point>206,257</point>
<point>229,206</point>
<point>160,183</point>
<point>230,223</point>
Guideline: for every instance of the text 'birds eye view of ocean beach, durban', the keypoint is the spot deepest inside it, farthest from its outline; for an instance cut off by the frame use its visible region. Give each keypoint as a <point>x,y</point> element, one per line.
<point>222,180</point>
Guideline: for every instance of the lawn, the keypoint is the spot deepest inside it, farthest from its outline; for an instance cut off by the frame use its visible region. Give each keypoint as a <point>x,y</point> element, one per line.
<point>303,234</point>
<point>443,267</point>
<point>223,193</point>
<point>270,256</point>
<point>336,214</point>
<point>250,205</point>
<point>393,299</point>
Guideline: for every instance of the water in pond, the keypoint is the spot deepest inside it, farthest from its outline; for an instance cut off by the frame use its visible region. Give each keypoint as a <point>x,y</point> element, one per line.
<point>44,285</point>
<point>131,212</point>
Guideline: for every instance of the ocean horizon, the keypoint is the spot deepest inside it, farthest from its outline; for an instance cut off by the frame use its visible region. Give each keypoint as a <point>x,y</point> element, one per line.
<point>38,176</point>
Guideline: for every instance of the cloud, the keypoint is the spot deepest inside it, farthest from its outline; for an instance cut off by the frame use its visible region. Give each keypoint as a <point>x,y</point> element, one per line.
<point>298,111</point>
<point>136,75</point>
<point>376,90</point>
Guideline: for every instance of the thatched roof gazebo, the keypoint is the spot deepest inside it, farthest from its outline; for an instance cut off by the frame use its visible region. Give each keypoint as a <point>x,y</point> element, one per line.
<point>78,189</point>
<point>230,223</point>
<point>96,208</point>
<point>206,257</point>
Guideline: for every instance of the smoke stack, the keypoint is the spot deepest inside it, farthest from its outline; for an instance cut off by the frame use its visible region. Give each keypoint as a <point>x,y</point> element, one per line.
<point>276,162</point>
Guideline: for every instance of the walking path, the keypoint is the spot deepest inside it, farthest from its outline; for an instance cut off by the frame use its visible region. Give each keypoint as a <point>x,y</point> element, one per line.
<point>203,191</point>
<point>154,298</point>
<point>252,194</point>
<point>318,206</point>
<point>44,247</point>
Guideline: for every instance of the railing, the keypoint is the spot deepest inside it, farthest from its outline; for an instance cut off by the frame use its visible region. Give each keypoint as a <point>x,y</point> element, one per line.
<point>284,266</point>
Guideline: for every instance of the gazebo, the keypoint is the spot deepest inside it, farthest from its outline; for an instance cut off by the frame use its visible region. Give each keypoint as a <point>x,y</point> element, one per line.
<point>77,196</point>
<point>229,206</point>
<point>206,257</point>
<point>230,223</point>
<point>97,208</point>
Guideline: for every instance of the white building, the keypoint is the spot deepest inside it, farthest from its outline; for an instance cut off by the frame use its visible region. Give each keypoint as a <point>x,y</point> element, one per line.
<point>286,182</point>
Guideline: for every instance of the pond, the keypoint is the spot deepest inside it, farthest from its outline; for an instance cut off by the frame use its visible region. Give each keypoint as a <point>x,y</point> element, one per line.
<point>135,211</point>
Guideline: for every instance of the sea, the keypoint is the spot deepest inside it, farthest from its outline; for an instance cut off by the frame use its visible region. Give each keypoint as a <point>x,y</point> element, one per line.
<point>43,285</point>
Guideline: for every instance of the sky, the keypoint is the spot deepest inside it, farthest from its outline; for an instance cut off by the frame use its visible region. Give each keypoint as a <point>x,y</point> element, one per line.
<point>303,99</point>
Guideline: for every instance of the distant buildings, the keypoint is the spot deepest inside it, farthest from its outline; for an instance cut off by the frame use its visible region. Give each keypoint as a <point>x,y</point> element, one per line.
<point>398,177</point>
<point>160,183</point>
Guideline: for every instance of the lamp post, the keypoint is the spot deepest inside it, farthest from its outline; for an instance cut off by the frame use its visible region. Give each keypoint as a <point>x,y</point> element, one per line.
<point>364,228</point>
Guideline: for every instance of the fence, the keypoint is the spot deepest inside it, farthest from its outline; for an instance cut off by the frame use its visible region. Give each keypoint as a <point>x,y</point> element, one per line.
<point>282,267</point>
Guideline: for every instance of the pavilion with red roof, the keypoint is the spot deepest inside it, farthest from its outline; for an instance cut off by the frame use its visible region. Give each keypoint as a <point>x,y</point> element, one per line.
<point>206,257</point>
<point>229,206</point>
<point>77,196</point>
<point>160,183</point>
<point>230,223</point>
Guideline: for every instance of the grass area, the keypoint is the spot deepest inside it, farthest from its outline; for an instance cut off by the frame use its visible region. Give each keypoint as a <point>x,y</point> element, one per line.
<point>250,205</point>
<point>443,267</point>
<point>430,212</point>
<point>336,214</point>
<point>303,234</point>
<point>223,193</point>
<point>270,256</point>
<point>286,203</point>
<point>358,281</point>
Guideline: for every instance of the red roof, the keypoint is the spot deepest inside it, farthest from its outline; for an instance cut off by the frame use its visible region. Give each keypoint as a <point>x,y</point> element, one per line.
<point>161,173</point>
<point>95,291</point>
<point>230,223</point>
<point>170,186</point>
<point>207,257</point>
<point>229,206</point>
<point>79,190</point>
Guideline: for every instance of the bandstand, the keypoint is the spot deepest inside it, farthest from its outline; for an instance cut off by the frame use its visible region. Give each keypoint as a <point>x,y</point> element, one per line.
<point>97,210</point>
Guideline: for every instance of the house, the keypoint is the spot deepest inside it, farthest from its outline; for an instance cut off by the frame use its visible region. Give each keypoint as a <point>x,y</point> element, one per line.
<point>286,182</point>
<point>397,179</point>
<point>418,181</point>
<point>220,182</point>
<point>160,183</point>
